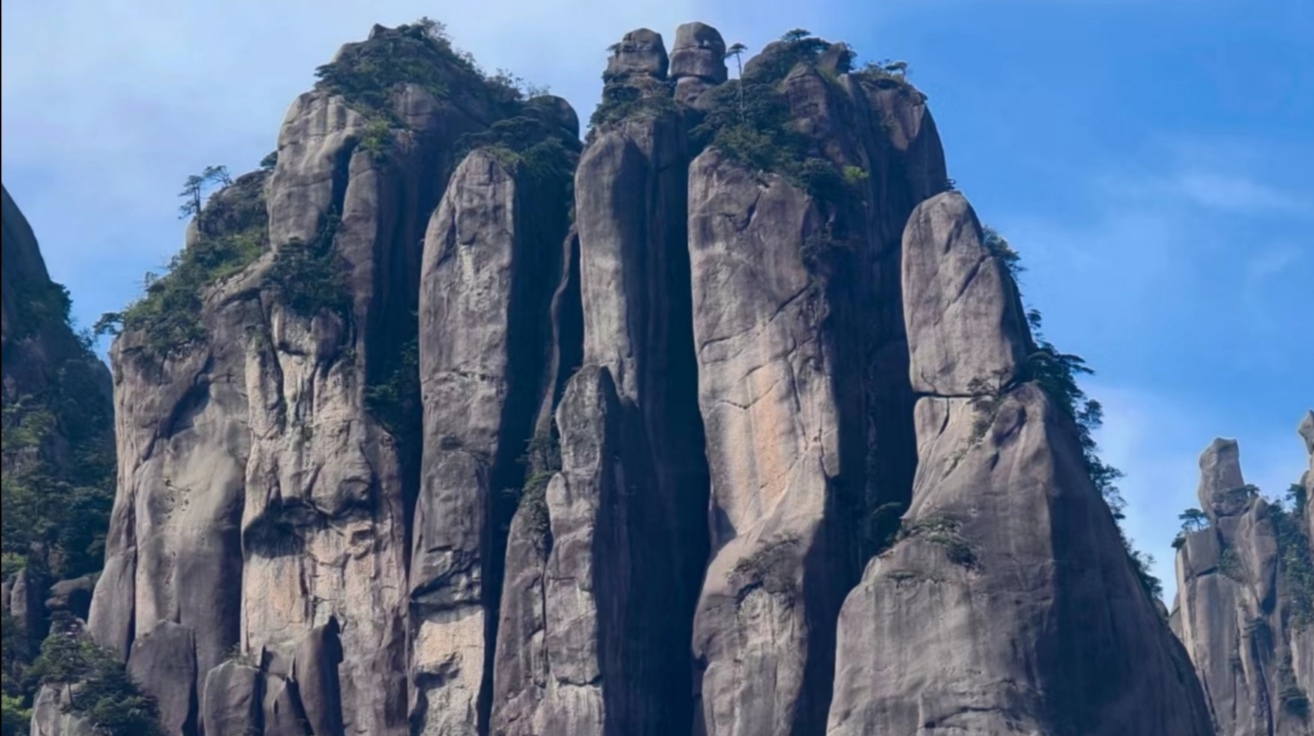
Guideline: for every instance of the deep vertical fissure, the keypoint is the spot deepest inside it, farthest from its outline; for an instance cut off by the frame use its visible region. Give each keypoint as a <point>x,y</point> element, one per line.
<point>539,229</point>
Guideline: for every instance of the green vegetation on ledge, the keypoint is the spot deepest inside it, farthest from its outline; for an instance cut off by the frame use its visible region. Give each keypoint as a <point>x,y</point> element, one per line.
<point>311,277</point>
<point>527,145</point>
<point>542,460</point>
<point>1295,558</point>
<point>632,99</point>
<point>393,401</point>
<point>36,306</point>
<point>231,232</point>
<point>1056,374</point>
<point>368,76</point>
<point>102,691</point>
<point>749,120</point>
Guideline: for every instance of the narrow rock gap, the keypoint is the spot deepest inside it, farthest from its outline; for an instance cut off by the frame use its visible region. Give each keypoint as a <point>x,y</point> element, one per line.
<point>676,429</point>
<point>540,313</point>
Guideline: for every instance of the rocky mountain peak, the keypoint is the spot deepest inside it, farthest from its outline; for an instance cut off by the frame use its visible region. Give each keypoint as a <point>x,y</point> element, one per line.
<point>727,421</point>
<point>1222,489</point>
<point>640,52</point>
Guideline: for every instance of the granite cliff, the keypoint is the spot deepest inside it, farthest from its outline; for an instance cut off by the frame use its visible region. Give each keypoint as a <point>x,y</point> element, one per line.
<point>726,421</point>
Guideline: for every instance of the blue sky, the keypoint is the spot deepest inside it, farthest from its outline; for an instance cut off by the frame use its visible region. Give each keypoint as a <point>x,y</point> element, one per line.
<point>1150,160</point>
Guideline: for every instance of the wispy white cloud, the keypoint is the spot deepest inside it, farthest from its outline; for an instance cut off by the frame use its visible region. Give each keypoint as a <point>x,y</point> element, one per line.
<point>1239,194</point>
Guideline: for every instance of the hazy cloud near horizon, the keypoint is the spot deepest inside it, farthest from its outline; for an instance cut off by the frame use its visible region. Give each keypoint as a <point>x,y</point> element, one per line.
<point>1157,185</point>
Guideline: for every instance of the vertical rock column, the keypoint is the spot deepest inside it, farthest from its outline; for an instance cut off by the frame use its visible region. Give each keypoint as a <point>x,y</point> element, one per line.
<point>484,349</point>
<point>1009,605</point>
<point>697,62</point>
<point>630,203</point>
<point>767,393</point>
<point>561,660</point>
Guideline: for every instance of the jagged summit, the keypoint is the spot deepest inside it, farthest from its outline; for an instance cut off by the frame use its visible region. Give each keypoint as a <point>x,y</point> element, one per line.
<point>726,421</point>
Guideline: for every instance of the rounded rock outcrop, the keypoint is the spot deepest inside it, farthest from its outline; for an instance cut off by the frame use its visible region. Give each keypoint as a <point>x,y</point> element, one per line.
<point>699,51</point>
<point>640,52</point>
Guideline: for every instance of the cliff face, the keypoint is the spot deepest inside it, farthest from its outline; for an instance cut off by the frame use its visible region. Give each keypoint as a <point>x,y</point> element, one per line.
<point>1041,624</point>
<point>461,429</point>
<point>1245,605</point>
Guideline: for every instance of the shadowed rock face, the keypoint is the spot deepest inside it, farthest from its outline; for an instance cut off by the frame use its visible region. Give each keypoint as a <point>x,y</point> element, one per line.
<point>1241,604</point>
<point>604,456</point>
<point>1040,625</point>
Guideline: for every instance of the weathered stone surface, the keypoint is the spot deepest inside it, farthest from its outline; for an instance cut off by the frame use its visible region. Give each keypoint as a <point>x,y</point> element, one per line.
<point>1040,625</point>
<point>484,318</point>
<point>962,311</point>
<point>639,53</point>
<point>1252,656</point>
<point>804,390</point>
<point>556,111</point>
<point>231,705</point>
<point>586,584</point>
<point>1221,481</point>
<point>691,91</point>
<point>836,59</point>
<point>753,66</point>
<point>72,596</point>
<point>772,445</point>
<point>315,664</point>
<point>520,664</point>
<point>163,664</point>
<point>260,495</point>
<point>367,556</point>
<point>698,51</point>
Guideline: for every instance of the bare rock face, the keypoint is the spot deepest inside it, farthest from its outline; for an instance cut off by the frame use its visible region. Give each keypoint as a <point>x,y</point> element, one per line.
<point>802,386</point>
<point>563,664</point>
<point>772,444</point>
<point>1222,490</point>
<point>699,51</point>
<point>1040,624</point>
<point>964,318</point>
<point>484,301</point>
<point>1242,616</point>
<point>697,63</point>
<point>268,471</point>
<point>163,662</point>
<point>639,53</point>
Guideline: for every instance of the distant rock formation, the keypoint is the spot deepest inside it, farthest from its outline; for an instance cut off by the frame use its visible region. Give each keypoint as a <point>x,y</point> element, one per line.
<point>1245,600</point>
